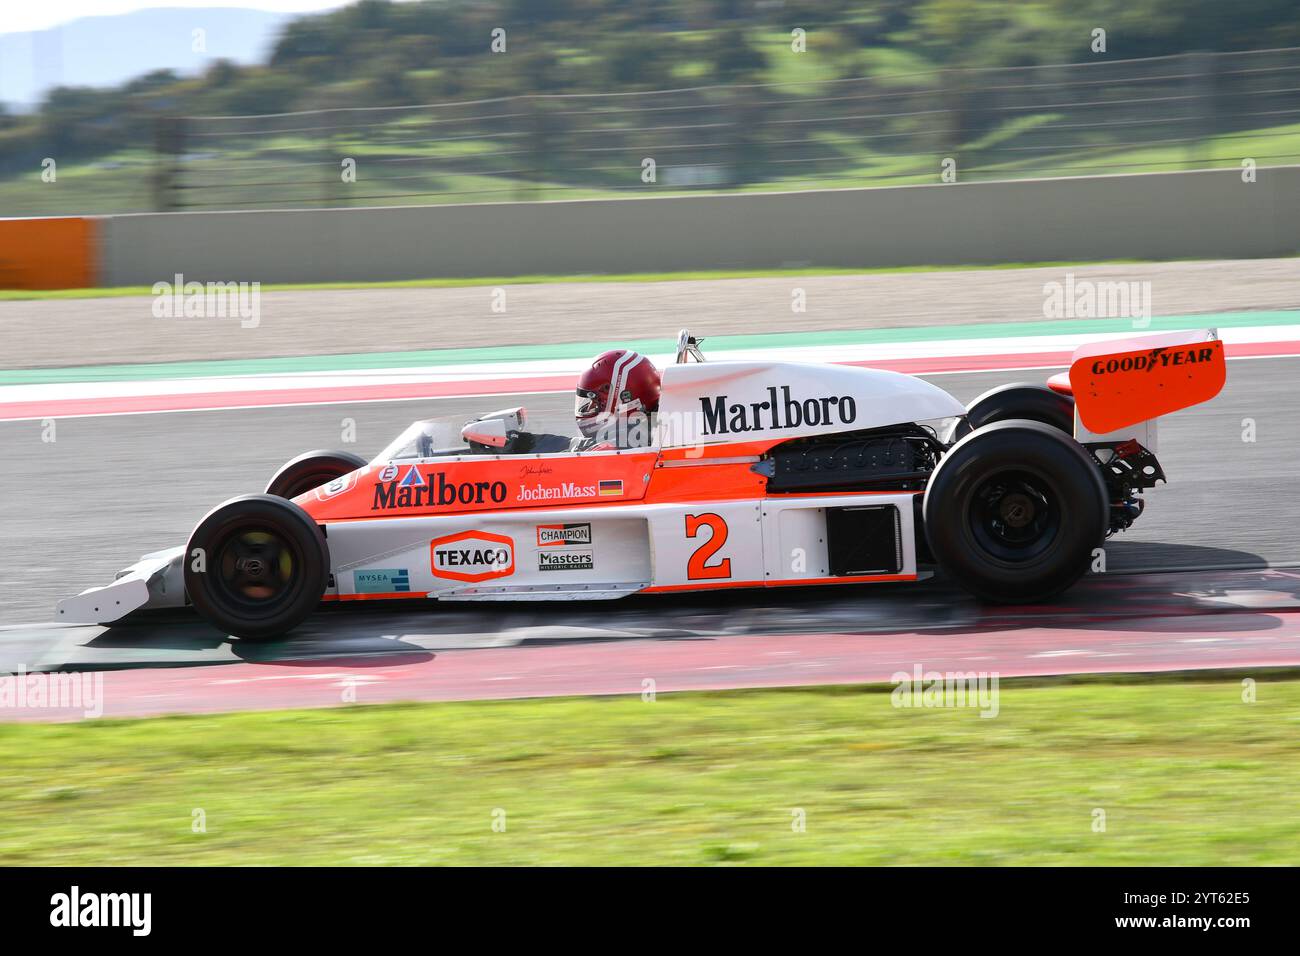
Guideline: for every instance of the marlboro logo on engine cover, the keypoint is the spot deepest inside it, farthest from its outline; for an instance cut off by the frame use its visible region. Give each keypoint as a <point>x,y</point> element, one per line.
<point>781,410</point>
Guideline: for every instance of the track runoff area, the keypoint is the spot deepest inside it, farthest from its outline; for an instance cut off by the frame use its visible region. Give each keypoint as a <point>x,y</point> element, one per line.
<point>1183,590</point>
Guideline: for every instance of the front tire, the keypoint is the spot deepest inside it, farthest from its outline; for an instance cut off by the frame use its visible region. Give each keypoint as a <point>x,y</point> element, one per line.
<point>1014,511</point>
<point>256,566</point>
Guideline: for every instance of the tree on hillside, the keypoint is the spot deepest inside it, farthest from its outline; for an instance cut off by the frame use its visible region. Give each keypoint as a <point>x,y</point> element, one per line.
<point>639,62</point>
<point>738,60</point>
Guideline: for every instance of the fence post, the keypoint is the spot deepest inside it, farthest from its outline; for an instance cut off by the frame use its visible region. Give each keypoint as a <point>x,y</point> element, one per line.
<point>950,126</point>
<point>746,152</point>
<point>331,163</point>
<point>1200,86</point>
<point>168,146</point>
<point>538,151</point>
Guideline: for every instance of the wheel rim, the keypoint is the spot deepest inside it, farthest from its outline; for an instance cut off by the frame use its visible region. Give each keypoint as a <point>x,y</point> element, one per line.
<point>1014,516</point>
<point>256,567</point>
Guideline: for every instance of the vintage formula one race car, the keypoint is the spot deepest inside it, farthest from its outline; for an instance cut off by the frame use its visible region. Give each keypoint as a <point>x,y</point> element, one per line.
<point>758,474</point>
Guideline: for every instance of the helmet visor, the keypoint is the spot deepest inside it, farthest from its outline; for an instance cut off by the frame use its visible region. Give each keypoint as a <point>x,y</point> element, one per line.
<point>586,404</point>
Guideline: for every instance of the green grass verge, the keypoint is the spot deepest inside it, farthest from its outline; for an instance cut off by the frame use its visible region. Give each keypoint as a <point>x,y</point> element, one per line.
<point>1186,773</point>
<point>452,283</point>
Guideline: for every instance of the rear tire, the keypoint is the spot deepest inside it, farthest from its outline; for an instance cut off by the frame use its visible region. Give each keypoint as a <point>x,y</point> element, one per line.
<point>1014,511</point>
<point>1020,401</point>
<point>264,566</point>
<point>311,470</point>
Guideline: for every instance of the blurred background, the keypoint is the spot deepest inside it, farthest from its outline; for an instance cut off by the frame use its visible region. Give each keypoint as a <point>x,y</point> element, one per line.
<point>222,108</point>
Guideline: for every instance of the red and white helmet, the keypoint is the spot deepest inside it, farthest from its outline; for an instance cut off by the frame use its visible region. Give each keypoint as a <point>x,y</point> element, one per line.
<point>619,384</point>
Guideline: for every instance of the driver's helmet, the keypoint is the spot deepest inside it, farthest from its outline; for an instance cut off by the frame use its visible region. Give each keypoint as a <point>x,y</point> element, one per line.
<point>619,385</point>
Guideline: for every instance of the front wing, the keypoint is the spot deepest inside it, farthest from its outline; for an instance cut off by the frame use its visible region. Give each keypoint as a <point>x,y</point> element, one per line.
<point>155,581</point>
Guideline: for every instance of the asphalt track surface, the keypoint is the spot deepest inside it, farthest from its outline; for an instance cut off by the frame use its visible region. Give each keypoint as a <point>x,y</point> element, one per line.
<point>1204,579</point>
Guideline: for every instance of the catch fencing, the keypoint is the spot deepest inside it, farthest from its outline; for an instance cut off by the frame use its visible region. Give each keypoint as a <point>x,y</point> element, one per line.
<point>1162,114</point>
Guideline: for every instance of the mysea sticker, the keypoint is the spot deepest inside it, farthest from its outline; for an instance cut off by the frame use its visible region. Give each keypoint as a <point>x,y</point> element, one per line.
<point>472,556</point>
<point>381,581</point>
<point>549,535</point>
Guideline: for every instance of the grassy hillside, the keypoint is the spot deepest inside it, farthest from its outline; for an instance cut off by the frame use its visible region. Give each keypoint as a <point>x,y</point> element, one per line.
<point>121,183</point>
<point>569,106</point>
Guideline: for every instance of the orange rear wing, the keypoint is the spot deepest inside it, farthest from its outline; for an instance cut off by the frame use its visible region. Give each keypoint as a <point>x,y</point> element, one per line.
<point>1121,382</point>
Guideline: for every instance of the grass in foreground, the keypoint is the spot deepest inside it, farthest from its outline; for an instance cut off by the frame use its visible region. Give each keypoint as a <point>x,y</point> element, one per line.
<point>449,283</point>
<point>1186,774</point>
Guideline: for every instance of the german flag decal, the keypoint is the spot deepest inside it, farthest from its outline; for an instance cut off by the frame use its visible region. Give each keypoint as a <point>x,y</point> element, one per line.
<point>614,487</point>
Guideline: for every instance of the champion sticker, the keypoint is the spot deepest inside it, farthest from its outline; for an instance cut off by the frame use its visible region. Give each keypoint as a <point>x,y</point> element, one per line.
<point>549,535</point>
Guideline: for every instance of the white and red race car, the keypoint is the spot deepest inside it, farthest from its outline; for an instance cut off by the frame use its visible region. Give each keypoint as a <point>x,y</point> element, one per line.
<point>757,474</point>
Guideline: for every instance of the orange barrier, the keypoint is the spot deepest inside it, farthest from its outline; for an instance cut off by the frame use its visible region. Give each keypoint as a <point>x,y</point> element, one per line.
<point>49,253</point>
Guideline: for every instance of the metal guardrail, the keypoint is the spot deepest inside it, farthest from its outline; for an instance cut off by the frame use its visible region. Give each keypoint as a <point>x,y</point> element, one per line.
<point>1189,111</point>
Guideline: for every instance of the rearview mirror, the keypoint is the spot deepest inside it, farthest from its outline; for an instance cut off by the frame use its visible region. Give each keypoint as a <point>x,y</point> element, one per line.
<point>688,347</point>
<point>492,433</point>
<point>515,418</point>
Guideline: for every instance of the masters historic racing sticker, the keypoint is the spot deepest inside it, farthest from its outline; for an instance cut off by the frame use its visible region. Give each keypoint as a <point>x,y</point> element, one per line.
<point>472,556</point>
<point>565,560</point>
